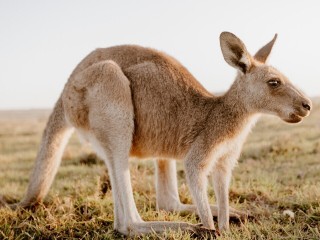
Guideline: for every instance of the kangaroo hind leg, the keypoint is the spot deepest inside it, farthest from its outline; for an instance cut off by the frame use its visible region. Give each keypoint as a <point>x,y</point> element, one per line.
<point>111,129</point>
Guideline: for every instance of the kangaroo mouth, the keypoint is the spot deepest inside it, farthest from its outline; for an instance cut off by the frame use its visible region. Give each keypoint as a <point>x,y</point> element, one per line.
<point>294,118</point>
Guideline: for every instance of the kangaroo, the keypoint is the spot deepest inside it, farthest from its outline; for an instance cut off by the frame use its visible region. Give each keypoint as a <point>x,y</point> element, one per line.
<point>131,101</point>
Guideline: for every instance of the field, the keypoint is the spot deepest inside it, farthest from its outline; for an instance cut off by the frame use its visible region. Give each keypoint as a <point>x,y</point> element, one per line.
<point>278,170</point>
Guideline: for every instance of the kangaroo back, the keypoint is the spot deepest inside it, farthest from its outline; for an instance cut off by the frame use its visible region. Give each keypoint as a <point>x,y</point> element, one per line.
<point>54,140</point>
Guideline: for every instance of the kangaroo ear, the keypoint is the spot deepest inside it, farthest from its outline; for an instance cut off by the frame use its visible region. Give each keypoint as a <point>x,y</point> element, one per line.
<point>264,52</point>
<point>235,52</point>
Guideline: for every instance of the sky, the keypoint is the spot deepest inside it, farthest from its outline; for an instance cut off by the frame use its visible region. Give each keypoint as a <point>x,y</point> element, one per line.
<point>42,41</point>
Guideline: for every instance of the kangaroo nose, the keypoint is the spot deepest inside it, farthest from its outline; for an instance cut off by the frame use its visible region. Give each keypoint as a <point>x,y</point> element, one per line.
<point>306,106</point>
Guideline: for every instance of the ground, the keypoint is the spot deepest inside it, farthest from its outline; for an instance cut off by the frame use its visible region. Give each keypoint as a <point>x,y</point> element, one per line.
<point>277,180</point>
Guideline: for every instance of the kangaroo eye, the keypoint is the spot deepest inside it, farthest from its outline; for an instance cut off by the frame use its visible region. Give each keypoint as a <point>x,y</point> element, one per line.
<point>274,83</point>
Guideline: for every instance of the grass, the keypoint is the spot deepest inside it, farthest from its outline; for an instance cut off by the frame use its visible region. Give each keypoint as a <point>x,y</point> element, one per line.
<point>278,170</point>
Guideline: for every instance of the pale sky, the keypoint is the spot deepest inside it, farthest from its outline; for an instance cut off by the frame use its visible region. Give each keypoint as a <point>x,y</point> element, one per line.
<point>42,41</point>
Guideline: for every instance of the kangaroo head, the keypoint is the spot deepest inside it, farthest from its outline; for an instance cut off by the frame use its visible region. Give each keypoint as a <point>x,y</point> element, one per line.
<point>261,87</point>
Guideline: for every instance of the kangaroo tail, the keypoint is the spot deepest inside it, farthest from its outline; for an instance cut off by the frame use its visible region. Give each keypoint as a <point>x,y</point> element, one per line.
<point>54,140</point>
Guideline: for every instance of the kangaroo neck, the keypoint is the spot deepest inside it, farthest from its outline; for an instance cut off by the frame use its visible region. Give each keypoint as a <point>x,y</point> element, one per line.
<point>235,100</point>
<point>229,116</point>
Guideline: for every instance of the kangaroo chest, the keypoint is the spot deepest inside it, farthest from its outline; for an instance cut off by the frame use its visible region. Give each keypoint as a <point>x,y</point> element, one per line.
<point>228,151</point>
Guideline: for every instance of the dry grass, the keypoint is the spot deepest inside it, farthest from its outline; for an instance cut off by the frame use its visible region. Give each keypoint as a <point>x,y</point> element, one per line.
<point>278,170</point>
